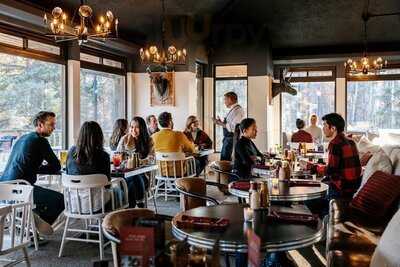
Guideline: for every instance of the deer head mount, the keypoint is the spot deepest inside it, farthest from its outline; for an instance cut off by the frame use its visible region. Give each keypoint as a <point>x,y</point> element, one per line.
<point>284,85</point>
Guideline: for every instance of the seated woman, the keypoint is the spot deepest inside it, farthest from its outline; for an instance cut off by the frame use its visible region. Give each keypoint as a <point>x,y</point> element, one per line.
<point>120,129</point>
<point>301,136</point>
<point>200,139</point>
<point>137,141</point>
<point>246,152</point>
<point>89,157</point>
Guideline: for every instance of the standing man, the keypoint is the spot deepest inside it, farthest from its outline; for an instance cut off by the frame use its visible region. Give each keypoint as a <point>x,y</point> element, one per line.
<point>314,130</point>
<point>27,161</point>
<point>234,117</point>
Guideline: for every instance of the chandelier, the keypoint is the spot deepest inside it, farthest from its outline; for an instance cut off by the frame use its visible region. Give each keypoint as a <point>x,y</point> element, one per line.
<point>160,55</point>
<point>366,64</point>
<point>86,29</point>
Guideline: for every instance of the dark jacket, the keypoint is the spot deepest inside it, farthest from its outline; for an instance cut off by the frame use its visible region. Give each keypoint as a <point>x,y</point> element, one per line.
<point>100,165</point>
<point>245,151</point>
<point>27,156</point>
<point>202,139</point>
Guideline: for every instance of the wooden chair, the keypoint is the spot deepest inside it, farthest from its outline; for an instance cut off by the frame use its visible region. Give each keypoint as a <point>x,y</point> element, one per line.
<point>15,221</point>
<point>85,198</point>
<point>171,166</point>
<point>194,192</point>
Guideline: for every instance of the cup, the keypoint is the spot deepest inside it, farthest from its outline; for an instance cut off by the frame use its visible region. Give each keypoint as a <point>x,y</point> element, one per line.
<point>63,157</point>
<point>117,159</point>
<point>248,214</point>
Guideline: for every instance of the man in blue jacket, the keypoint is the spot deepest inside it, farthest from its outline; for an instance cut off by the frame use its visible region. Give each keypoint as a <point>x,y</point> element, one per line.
<point>27,160</point>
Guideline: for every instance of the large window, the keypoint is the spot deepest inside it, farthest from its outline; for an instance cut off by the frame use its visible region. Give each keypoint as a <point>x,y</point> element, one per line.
<point>373,105</point>
<point>28,86</point>
<point>102,99</point>
<point>228,78</point>
<point>315,95</point>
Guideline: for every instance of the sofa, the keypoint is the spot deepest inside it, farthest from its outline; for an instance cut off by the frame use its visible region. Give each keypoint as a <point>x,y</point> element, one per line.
<point>352,239</point>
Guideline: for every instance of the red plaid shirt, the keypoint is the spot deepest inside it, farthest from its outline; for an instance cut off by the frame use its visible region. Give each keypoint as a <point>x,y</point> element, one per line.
<point>344,167</point>
<point>302,136</point>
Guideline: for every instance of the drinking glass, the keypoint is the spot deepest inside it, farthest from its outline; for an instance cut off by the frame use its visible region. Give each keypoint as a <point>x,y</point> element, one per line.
<point>63,154</point>
<point>117,159</point>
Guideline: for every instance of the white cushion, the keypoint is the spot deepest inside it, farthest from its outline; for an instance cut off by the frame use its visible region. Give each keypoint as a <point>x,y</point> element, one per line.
<point>364,146</point>
<point>378,162</point>
<point>387,139</point>
<point>387,253</point>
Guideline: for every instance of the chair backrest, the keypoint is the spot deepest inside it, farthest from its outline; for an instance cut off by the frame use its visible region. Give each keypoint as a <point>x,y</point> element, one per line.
<point>16,193</point>
<point>116,220</point>
<point>223,169</point>
<point>175,165</point>
<point>191,185</point>
<point>18,219</point>
<point>85,194</point>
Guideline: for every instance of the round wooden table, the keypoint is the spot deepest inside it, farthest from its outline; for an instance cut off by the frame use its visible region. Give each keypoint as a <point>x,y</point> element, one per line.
<point>274,236</point>
<point>283,192</point>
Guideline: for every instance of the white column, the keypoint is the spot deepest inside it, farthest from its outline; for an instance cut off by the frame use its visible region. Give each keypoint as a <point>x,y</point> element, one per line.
<point>130,94</point>
<point>257,107</point>
<point>273,118</point>
<point>209,106</point>
<point>341,96</point>
<point>73,95</point>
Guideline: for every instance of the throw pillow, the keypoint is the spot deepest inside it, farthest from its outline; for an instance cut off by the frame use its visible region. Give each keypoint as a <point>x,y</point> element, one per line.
<point>364,145</point>
<point>387,251</point>
<point>378,162</point>
<point>377,196</point>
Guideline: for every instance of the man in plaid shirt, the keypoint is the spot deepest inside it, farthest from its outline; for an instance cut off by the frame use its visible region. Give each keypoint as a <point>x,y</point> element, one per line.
<point>344,168</point>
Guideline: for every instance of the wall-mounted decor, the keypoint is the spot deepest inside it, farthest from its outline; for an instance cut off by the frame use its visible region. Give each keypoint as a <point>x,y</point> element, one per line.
<point>162,89</point>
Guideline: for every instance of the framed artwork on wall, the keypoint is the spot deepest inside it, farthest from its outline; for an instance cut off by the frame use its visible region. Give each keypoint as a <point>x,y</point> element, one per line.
<point>162,89</point>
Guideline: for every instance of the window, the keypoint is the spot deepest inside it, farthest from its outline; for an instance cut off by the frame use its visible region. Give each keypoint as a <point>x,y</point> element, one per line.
<point>223,84</point>
<point>102,99</point>
<point>373,105</point>
<point>28,86</point>
<point>315,95</point>
<point>312,98</point>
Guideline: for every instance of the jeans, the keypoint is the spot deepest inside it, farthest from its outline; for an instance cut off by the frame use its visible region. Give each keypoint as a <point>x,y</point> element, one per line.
<point>321,206</point>
<point>201,163</point>
<point>227,148</point>
<point>49,203</point>
<point>136,188</point>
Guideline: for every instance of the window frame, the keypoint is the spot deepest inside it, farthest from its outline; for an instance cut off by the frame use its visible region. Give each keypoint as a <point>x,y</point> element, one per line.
<point>305,80</point>
<point>26,52</point>
<point>215,89</point>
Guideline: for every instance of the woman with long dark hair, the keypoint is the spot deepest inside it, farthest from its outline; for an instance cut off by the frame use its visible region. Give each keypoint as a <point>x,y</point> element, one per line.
<point>137,141</point>
<point>89,157</point>
<point>246,152</point>
<point>120,129</point>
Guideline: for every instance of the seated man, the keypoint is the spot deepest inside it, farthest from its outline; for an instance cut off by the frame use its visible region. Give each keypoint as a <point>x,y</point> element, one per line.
<point>26,162</point>
<point>168,140</point>
<point>343,169</point>
<point>301,136</point>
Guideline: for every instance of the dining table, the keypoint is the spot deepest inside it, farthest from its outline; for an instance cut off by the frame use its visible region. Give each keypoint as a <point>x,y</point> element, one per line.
<point>275,236</point>
<point>284,190</point>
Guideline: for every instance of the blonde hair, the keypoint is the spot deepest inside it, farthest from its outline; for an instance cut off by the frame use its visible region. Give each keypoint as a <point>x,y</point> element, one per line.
<point>190,120</point>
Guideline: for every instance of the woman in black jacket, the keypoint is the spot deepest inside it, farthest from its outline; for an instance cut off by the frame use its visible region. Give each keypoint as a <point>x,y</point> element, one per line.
<point>246,152</point>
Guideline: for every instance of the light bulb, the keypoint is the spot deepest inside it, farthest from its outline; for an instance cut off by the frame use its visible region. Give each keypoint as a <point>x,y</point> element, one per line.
<point>101,19</point>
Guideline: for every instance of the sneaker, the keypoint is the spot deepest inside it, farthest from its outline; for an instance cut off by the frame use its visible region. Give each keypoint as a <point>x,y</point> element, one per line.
<point>42,226</point>
<point>41,242</point>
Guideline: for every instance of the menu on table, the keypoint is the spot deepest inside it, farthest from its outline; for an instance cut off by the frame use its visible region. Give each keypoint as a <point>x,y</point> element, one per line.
<point>137,246</point>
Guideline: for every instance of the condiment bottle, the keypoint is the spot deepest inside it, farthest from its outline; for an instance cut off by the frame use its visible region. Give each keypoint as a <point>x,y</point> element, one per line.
<point>264,195</point>
<point>254,196</point>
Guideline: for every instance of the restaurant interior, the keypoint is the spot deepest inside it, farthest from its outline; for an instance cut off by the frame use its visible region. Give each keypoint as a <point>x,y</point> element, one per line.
<point>200,133</point>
